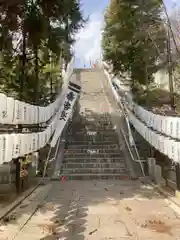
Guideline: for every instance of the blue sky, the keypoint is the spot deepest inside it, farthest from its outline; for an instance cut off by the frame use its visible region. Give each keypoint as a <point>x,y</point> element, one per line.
<point>87,46</point>
<point>91,6</point>
<point>170,3</point>
<point>88,42</point>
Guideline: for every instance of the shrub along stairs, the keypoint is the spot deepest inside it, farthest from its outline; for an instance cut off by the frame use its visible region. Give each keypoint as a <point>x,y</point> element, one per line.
<point>92,150</point>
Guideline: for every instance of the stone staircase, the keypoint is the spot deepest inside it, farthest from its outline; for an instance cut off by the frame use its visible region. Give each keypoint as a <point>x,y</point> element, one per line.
<point>92,150</point>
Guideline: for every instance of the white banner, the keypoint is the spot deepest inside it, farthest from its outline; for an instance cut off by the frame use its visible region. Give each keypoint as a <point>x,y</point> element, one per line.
<point>68,105</point>
<point>17,112</point>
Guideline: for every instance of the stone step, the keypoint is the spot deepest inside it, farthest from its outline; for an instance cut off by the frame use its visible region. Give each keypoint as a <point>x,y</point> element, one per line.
<point>97,122</point>
<point>97,117</point>
<point>93,165</point>
<point>98,128</point>
<point>93,170</point>
<point>93,146</point>
<point>95,155</point>
<point>94,133</point>
<point>75,141</point>
<point>93,138</point>
<point>91,143</point>
<point>87,150</point>
<point>94,122</point>
<point>101,176</point>
<point>91,119</point>
<point>95,160</point>
<point>88,144</point>
<point>100,118</point>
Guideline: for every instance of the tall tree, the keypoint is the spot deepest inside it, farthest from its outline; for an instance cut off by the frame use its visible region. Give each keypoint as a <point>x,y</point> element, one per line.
<point>130,27</point>
<point>33,33</point>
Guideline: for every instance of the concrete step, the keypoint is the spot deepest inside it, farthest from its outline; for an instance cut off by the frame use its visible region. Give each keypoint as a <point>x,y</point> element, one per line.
<point>95,160</point>
<point>93,138</point>
<point>92,146</point>
<point>87,120</point>
<point>100,116</point>
<point>92,132</point>
<point>101,176</point>
<point>94,170</point>
<point>99,133</point>
<point>95,155</point>
<point>90,143</point>
<point>92,150</point>
<point>99,124</point>
<point>99,128</point>
<point>96,121</point>
<point>87,150</point>
<point>93,165</point>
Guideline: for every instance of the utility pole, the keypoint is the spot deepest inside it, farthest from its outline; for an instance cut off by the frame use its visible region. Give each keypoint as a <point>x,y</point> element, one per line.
<point>146,72</point>
<point>67,36</point>
<point>51,77</point>
<point>170,69</point>
<point>37,87</point>
<point>147,83</point>
<point>22,80</point>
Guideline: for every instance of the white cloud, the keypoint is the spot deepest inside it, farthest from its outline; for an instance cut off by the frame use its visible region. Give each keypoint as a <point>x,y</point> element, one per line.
<point>88,40</point>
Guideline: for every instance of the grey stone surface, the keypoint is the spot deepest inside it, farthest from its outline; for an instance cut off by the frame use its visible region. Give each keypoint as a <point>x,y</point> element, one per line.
<point>93,149</point>
<point>152,168</point>
<point>158,175</point>
<point>86,210</point>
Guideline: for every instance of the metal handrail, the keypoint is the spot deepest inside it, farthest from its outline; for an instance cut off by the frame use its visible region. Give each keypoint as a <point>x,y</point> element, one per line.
<point>123,109</point>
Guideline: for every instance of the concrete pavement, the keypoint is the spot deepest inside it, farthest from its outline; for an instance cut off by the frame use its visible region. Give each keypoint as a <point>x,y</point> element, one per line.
<point>97,210</point>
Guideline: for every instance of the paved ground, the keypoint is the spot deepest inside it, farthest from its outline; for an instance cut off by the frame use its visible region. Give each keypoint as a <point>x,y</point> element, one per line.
<point>93,96</point>
<point>97,210</point>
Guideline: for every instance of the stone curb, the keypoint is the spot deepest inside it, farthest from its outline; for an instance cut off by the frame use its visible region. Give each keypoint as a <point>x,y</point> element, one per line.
<point>171,198</point>
<point>18,201</point>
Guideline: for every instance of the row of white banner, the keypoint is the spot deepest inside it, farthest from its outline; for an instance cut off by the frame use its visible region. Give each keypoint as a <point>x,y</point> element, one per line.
<point>167,125</point>
<point>17,112</point>
<point>146,127</point>
<point>15,145</point>
<point>165,145</point>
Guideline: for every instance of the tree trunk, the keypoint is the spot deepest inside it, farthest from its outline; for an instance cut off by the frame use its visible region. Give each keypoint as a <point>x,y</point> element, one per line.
<point>23,64</point>
<point>36,70</point>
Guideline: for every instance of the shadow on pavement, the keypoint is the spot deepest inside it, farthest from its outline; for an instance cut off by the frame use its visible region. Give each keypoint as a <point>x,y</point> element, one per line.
<point>78,217</point>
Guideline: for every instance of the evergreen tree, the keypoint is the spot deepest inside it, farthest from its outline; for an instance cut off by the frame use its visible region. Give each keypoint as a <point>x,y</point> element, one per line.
<point>130,27</point>
<point>35,35</point>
